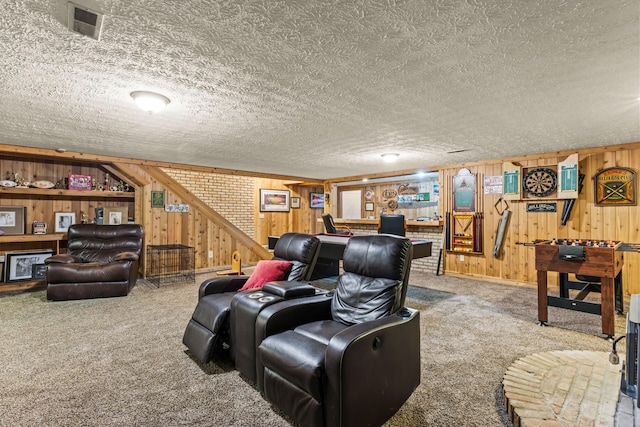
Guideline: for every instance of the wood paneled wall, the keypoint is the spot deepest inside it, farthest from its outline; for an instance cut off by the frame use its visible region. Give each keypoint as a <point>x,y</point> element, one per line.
<point>517,261</point>
<point>43,208</point>
<point>212,234</point>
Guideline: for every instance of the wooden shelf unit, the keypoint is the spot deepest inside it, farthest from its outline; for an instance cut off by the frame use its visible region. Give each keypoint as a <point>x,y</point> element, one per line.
<point>26,242</point>
<point>41,204</point>
<point>463,238</point>
<point>17,192</point>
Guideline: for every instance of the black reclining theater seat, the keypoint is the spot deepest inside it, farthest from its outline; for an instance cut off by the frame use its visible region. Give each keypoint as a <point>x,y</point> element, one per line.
<point>208,330</point>
<point>354,358</point>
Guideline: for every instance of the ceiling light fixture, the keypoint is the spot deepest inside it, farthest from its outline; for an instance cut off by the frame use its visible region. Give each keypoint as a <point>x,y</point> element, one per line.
<point>150,102</point>
<point>390,157</point>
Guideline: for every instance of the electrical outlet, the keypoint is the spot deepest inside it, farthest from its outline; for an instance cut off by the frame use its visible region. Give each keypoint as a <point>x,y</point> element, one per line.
<point>261,216</point>
<point>210,254</point>
<point>461,257</point>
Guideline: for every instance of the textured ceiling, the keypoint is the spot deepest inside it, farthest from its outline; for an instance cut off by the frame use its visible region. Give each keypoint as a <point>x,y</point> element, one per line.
<point>320,89</point>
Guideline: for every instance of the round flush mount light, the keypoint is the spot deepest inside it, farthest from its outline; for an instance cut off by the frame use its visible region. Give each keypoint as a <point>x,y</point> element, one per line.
<point>390,157</point>
<point>150,102</point>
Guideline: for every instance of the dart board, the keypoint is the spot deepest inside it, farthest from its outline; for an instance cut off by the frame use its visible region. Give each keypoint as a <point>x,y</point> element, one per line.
<point>540,182</point>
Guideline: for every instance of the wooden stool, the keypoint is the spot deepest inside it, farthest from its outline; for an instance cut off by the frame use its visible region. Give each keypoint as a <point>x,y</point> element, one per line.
<point>236,268</point>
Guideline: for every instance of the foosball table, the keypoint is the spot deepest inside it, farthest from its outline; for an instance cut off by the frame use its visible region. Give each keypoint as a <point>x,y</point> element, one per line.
<point>597,266</point>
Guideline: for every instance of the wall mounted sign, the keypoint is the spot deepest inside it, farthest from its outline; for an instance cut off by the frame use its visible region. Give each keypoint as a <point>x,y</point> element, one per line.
<point>464,191</point>
<point>511,180</point>
<point>404,189</point>
<point>493,184</point>
<point>541,207</point>
<point>615,187</point>
<point>568,178</point>
<point>157,199</point>
<point>389,194</point>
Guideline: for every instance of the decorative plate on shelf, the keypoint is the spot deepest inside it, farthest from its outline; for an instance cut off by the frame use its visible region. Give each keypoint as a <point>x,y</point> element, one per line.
<point>7,183</point>
<point>43,184</point>
<point>368,195</point>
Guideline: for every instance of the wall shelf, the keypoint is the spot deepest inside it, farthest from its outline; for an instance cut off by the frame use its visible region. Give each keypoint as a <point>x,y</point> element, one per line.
<point>71,194</point>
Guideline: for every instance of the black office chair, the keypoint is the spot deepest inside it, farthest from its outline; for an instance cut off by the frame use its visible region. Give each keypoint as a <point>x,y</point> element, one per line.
<point>392,224</point>
<point>331,227</point>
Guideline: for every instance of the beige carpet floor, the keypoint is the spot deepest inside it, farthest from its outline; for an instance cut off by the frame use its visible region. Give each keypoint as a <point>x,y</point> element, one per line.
<point>121,362</point>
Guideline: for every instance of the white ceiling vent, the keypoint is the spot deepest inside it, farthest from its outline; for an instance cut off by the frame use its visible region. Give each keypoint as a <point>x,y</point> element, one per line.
<point>85,21</point>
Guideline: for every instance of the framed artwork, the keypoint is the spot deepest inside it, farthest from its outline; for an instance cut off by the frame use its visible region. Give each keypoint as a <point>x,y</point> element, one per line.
<point>464,191</point>
<point>12,219</point>
<point>157,199</point>
<point>63,221</point>
<point>615,187</point>
<point>274,200</point>
<point>19,265</point>
<point>99,215</point>
<point>38,271</point>
<point>79,182</point>
<point>316,200</point>
<point>368,206</point>
<point>295,203</point>
<point>116,215</point>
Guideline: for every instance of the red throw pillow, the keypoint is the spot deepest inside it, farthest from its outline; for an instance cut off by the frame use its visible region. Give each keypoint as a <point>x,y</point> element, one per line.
<point>265,272</point>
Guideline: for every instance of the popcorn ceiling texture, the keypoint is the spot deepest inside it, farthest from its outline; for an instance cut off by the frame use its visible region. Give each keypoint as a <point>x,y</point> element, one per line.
<point>320,89</point>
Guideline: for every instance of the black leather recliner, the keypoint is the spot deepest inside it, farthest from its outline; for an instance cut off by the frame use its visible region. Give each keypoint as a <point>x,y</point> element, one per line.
<point>101,261</point>
<point>352,359</point>
<point>208,329</point>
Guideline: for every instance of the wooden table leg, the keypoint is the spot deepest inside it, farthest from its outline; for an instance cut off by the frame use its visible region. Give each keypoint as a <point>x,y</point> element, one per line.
<point>543,316</point>
<point>607,308</point>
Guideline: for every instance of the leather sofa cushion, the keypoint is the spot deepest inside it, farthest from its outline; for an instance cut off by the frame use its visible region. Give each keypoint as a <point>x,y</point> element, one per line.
<point>212,310</point>
<point>321,331</point>
<point>88,272</point>
<point>297,358</point>
<point>359,299</point>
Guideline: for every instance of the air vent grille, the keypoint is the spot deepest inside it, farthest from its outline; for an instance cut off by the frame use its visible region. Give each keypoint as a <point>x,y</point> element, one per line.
<point>84,21</point>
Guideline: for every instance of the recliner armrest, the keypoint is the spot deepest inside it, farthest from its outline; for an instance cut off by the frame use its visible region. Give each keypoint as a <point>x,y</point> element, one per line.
<point>126,256</point>
<point>217,285</point>
<point>289,289</point>
<point>291,313</point>
<point>63,259</point>
<point>358,361</point>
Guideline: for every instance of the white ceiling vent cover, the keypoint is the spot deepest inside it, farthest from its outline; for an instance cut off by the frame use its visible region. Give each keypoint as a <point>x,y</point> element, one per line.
<point>85,21</point>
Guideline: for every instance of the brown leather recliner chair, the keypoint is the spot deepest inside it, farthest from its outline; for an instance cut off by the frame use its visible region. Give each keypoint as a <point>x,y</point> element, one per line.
<point>101,261</point>
<point>352,359</point>
<point>208,330</point>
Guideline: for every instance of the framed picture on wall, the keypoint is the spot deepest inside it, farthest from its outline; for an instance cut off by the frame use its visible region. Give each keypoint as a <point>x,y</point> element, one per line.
<point>19,265</point>
<point>12,219</point>
<point>316,200</point>
<point>116,215</point>
<point>295,203</point>
<point>368,206</point>
<point>63,221</point>
<point>157,199</point>
<point>274,200</point>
